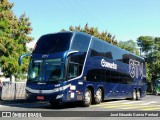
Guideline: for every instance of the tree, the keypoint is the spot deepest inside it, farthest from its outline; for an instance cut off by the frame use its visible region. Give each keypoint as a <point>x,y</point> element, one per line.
<point>130,46</point>
<point>14,34</point>
<point>95,32</point>
<point>150,48</point>
<point>151,52</point>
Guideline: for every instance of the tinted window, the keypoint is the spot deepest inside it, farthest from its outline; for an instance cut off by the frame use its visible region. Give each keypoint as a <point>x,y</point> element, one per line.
<point>35,70</point>
<point>100,48</point>
<point>126,58</point>
<point>102,75</point>
<point>74,70</point>
<point>104,49</point>
<point>75,65</point>
<point>78,58</point>
<point>125,78</point>
<point>80,42</point>
<point>94,75</point>
<point>53,69</point>
<point>52,43</point>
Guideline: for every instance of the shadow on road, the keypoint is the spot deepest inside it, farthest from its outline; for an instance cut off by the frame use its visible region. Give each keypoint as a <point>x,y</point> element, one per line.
<point>44,105</point>
<point>48,106</point>
<point>40,105</point>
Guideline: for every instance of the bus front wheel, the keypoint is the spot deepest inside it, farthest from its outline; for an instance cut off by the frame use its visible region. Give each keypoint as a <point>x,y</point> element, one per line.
<point>98,96</point>
<point>87,98</point>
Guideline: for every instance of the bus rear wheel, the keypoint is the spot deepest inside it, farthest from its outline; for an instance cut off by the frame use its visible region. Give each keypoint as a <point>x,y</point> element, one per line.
<point>134,95</point>
<point>87,98</point>
<point>98,96</point>
<point>138,95</point>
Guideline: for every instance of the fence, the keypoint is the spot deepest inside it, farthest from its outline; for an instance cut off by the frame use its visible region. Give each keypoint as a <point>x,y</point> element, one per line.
<point>13,91</point>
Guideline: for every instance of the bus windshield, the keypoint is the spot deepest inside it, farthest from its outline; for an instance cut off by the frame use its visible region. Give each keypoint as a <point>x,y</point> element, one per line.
<point>48,70</point>
<point>53,69</point>
<point>35,69</point>
<point>53,43</point>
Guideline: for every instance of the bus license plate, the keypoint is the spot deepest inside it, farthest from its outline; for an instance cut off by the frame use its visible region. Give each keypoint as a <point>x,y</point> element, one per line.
<point>40,97</point>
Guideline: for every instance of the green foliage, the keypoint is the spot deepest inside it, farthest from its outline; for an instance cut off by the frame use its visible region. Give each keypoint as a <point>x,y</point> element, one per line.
<point>148,73</point>
<point>95,32</point>
<point>130,46</point>
<point>146,42</point>
<point>14,34</point>
<point>150,48</point>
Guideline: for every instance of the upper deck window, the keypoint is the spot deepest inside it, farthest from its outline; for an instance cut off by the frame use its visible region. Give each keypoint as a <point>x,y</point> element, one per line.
<point>53,43</point>
<point>80,42</point>
<point>104,49</point>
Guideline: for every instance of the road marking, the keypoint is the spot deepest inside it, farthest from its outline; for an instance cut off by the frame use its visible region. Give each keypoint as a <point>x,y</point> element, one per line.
<point>117,101</point>
<point>149,103</point>
<point>126,106</point>
<point>111,103</point>
<point>115,106</point>
<point>151,109</point>
<point>139,107</point>
<point>132,102</point>
<point>121,105</point>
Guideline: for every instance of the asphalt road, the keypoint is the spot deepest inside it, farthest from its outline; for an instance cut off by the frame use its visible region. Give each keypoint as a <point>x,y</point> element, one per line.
<point>147,104</point>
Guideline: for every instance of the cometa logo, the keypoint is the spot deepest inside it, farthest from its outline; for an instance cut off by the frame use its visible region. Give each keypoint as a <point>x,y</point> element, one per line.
<point>108,65</point>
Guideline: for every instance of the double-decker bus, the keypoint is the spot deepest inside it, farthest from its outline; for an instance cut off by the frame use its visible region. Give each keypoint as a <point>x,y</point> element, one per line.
<point>74,66</point>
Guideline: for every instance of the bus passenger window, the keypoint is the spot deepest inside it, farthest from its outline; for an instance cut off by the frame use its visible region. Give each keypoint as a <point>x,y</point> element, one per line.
<point>73,71</point>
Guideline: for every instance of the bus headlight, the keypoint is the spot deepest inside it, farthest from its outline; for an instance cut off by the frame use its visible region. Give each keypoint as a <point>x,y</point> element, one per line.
<point>59,96</point>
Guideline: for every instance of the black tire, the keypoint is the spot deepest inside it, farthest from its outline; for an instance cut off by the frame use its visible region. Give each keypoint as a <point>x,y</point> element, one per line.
<point>134,95</point>
<point>87,100</point>
<point>98,96</point>
<point>138,95</point>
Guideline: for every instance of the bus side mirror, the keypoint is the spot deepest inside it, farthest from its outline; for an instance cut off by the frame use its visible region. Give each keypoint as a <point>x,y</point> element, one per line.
<point>21,57</point>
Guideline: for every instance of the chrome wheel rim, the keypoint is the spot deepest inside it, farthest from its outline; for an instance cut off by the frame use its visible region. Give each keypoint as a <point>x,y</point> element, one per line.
<point>138,95</point>
<point>87,97</point>
<point>134,94</point>
<point>99,95</point>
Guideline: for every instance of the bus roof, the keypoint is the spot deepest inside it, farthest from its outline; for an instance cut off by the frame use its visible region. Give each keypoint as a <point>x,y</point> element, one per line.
<point>75,32</point>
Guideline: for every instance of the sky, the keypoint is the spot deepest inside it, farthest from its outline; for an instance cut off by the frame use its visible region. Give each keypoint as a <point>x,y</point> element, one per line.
<point>126,19</point>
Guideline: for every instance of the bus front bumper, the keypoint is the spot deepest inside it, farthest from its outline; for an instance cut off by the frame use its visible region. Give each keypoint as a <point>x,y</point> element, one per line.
<point>56,97</point>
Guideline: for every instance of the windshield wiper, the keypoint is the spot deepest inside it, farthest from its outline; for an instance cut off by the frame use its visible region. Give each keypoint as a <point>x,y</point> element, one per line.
<point>34,80</point>
<point>55,80</point>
